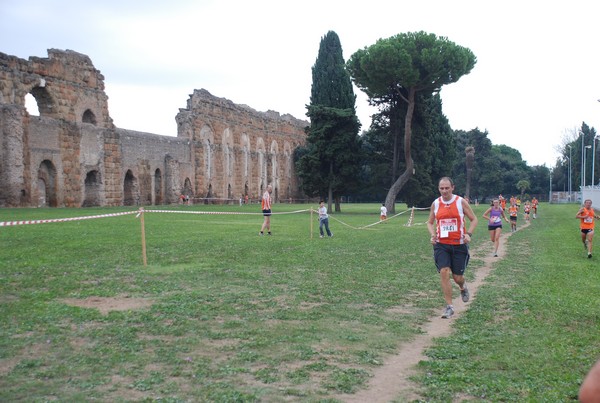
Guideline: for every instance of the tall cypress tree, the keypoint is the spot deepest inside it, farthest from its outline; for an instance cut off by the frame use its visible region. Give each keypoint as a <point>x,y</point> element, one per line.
<point>330,162</point>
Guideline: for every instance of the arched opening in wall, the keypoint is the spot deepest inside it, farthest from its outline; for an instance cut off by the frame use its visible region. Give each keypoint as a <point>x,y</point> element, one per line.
<point>246,189</point>
<point>47,192</point>
<point>187,188</point>
<point>43,100</point>
<point>276,199</point>
<point>158,199</point>
<point>208,194</point>
<point>89,117</point>
<point>130,194</point>
<point>229,194</point>
<point>92,190</point>
<point>31,105</point>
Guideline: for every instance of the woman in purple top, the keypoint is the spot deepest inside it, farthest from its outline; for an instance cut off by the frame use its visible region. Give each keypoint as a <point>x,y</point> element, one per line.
<point>494,216</point>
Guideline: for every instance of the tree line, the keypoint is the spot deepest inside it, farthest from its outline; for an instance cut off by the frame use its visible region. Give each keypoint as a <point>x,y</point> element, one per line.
<point>409,144</point>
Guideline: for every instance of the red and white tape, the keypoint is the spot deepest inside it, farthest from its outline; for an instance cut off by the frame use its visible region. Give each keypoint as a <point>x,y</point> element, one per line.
<point>28,222</point>
<point>138,212</point>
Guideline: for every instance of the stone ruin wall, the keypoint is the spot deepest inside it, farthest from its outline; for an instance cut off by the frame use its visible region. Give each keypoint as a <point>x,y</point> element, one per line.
<point>72,154</point>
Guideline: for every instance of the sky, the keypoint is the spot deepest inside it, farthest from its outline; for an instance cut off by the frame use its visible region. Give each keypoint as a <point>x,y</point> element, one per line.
<point>537,76</point>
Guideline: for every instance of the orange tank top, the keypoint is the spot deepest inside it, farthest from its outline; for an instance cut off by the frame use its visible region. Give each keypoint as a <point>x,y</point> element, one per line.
<point>587,222</point>
<point>450,220</point>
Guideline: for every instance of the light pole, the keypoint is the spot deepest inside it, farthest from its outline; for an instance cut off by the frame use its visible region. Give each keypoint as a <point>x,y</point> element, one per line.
<point>584,165</point>
<point>550,190</point>
<point>570,157</point>
<point>582,172</point>
<point>593,159</point>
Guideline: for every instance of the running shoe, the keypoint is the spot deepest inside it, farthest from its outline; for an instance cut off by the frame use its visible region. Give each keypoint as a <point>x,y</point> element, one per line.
<point>589,255</point>
<point>464,293</point>
<point>448,312</point>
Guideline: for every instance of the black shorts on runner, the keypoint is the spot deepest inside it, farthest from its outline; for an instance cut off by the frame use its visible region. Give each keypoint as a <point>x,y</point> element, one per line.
<point>456,257</point>
<point>266,212</point>
<point>494,227</point>
<point>512,218</point>
<point>586,231</point>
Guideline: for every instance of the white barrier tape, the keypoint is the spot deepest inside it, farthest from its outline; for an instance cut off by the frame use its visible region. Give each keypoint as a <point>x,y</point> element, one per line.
<point>220,212</point>
<point>142,210</point>
<point>28,222</point>
<point>365,226</point>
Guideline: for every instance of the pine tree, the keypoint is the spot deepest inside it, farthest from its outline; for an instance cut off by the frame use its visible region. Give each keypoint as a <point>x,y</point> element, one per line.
<point>330,162</point>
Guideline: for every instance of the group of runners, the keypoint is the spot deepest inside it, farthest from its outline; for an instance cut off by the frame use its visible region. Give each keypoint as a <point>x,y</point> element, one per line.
<point>451,237</point>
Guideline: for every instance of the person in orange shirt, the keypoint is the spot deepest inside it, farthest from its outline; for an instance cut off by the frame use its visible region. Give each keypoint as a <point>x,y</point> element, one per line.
<point>502,202</point>
<point>526,211</point>
<point>587,215</point>
<point>265,204</point>
<point>513,212</point>
<point>450,239</point>
<point>534,206</point>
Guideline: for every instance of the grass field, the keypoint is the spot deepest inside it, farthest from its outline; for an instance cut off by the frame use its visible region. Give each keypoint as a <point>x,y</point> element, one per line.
<point>223,315</point>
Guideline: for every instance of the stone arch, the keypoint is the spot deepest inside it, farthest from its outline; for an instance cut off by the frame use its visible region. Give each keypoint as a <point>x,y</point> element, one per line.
<point>44,100</point>
<point>273,153</point>
<point>288,161</point>
<point>130,189</point>
<point>228,155</point>
<point>261,164</point>
<point>207,139</point>
<point>245,145</point>
<point>209,194</point>
<point>158,188</point>
<point>187,188</point>
<point>92,189</point>
<point>89,117</point>
<point>47,185</point>
<point>31,105</point>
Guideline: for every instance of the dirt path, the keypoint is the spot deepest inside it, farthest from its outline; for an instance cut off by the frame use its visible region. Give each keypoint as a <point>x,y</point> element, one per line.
<point>391,380</point>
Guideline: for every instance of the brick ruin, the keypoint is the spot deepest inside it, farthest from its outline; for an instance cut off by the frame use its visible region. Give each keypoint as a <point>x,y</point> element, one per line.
<point>72,155</point>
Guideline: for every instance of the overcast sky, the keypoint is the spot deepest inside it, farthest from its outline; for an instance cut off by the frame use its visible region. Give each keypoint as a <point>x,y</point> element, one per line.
<point>537,76</point>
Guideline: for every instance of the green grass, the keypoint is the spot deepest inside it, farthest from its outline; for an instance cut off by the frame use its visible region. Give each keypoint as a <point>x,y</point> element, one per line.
<point>235,317</point>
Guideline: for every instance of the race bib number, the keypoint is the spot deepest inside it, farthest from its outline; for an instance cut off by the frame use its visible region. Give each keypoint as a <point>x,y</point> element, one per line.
<point>588,220</point>
<point>496,220</point>
<point>447,226</point>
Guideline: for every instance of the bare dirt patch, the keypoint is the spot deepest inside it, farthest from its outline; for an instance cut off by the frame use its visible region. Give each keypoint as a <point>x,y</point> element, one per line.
<point>391,380</point>
<point>108,304</point>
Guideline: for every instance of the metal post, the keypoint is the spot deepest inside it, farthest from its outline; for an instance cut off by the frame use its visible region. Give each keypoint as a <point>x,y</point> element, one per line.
<point>570,172</point>
<point>584,164</point>
<point>550,191</point>
<point>582,172</point>
<point>593,158</point>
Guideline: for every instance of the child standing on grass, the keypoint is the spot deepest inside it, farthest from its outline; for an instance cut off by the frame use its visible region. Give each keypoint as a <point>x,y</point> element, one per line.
<point>324,220</point>
<point>383,212</point>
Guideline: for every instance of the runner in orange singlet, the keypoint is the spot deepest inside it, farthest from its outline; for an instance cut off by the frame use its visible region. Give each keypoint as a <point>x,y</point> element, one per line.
<point>587,215</point>
<point>450,239</point>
